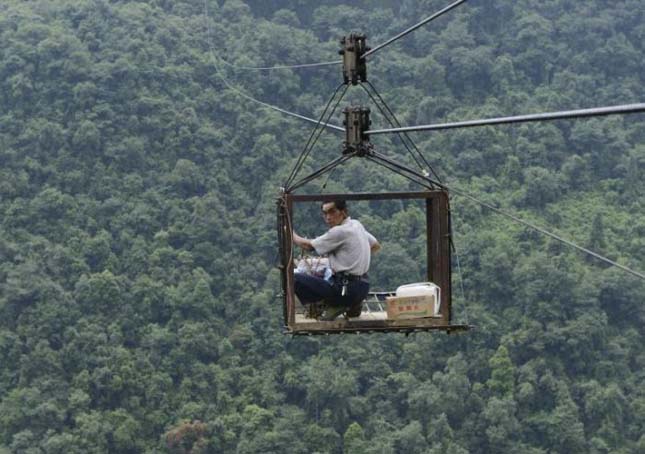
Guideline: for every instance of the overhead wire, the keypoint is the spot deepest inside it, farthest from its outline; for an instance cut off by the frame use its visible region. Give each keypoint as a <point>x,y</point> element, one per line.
<point>241,93</point>
<point>545,232</point>
<point>580,113</point>
<point>558,115</point>
<point>269,68</point>
<point>414,27</point>
<point>403,170</point>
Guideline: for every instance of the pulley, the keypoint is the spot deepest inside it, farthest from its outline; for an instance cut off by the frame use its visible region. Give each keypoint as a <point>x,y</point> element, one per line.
<point>357,122</point>
<point>354,66</point>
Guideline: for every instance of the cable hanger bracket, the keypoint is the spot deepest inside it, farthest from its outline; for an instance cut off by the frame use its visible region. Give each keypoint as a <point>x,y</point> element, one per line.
<point>354,47</point>
<point>357,122</point>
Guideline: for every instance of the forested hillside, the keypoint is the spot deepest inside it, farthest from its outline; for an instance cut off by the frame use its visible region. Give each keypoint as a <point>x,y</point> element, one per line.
<point>138,308</point>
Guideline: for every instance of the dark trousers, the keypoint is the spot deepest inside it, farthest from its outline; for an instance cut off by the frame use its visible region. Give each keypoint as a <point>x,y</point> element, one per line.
<point>311,289</point>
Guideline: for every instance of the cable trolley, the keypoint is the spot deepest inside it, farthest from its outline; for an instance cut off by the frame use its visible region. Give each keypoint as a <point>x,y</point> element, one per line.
<point>381,311</point>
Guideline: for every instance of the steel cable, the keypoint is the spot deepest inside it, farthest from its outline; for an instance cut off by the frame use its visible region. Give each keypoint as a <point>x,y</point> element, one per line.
<point>305,153</point>
<point>302,156</point>
<point>414,27</point>
<point>559,115</point>
<point>398,124</point>
<point>241,93</point>
<point>387,118</point>
<point>268,68</point>
<point>400,169</point>
<point>321,171</point>
<point>545,232</point>
<point>404,168</point>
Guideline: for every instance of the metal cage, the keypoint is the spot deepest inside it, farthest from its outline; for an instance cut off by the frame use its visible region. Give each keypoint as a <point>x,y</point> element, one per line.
<point>438,261</point>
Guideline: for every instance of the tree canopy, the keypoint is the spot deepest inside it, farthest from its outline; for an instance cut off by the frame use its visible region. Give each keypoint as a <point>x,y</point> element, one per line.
<point>138,308</point>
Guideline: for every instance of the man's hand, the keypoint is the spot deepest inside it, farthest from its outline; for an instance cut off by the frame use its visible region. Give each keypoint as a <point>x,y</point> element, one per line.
<point>375,247</point>
<point>304,243</point>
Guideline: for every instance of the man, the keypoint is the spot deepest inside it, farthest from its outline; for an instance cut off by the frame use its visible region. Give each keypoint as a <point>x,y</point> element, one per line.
<point>348,246</point>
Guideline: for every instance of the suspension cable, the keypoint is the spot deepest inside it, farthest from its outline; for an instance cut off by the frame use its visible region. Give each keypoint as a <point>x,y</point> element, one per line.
<point>304,151</point>
<point>311,143</point>
<point>241,93</point>
<point>326,168</point>
<point>414,27</point>
<point>405,168</point>
<point>559,115</point>
<point>406,135</point>
<point>391,168</point>
<point>391,122</point>
<point>545,232</point>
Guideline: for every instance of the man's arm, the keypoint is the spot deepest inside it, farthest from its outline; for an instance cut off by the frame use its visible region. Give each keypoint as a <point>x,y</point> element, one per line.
<point>304,243</point>
<point>375,246</point>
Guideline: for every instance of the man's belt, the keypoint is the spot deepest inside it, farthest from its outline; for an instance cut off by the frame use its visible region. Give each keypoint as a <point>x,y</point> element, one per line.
<point>350,277</point>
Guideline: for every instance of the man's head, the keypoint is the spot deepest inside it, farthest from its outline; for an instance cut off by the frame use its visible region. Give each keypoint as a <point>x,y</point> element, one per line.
<point>334,212</point>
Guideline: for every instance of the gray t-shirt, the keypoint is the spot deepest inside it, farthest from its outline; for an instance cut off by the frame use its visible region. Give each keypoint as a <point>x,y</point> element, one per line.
<point>348,247</point>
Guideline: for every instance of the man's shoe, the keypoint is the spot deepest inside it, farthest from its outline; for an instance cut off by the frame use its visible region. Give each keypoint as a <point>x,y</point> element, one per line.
<point>332,312</point>
<point>355,310</point>
<point>315,310</point>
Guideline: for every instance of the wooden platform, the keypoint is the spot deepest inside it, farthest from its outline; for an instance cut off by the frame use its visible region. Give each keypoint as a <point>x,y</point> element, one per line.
<point>373,319</point>
<point>368,322</point>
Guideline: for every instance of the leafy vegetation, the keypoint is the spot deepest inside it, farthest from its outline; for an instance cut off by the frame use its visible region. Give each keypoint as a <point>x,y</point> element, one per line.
<point>137,236</point>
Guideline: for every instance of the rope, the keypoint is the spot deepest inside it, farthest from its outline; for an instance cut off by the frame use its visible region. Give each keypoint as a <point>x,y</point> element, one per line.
<point>414,27</point>
<point>288,253</point>
<point>461,278</point>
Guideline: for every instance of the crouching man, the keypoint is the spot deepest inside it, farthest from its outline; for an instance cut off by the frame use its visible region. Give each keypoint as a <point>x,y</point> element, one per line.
<point>349,247</point>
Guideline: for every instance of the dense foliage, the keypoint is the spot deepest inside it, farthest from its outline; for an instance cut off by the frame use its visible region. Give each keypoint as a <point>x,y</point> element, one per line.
<point>137,238</point>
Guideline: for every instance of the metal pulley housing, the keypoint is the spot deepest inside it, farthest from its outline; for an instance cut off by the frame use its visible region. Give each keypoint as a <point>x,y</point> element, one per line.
<point>357,122</point>
<point>354,66</point>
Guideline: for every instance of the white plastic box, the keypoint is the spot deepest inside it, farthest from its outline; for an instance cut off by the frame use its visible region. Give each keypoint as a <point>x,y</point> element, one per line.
<point>421,299</point>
